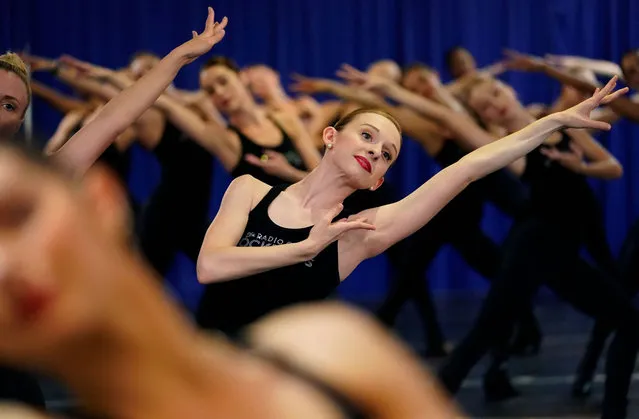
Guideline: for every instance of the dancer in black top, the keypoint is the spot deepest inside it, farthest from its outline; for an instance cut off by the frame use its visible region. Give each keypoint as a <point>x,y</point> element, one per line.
<point>78,113</point>
<point>459,223</point>
<point>273,146</point>
<point>359,151</point>
<point>54,319</point>
<point>543,247</point>
<point>479,250</point>
<point>629,66</point>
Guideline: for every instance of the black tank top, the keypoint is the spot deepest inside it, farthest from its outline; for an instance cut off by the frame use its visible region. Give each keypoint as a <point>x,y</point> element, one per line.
<point>249,147</point>
<point>118,161</point>
<point>187,171</point>
<point>228,306</point>
<point>468,206</point>
<point>558,194</point>
<point>348,407</point>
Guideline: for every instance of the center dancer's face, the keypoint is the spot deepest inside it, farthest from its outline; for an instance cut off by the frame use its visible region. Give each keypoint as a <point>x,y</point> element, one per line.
<point>14,100</point>
<point>57,256</point>
<point>364,149</point>
<point>225,87</point>
<point>494,102</point>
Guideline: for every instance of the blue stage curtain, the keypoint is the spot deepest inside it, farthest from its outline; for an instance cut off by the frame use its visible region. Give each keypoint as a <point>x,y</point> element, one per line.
<point>314,38</point>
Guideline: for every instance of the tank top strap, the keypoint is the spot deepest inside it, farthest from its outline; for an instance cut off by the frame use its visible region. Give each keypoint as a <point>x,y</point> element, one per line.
<point>262,206</point>
<point>348,407</point>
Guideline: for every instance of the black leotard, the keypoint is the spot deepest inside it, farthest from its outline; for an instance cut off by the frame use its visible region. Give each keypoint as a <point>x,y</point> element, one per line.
<point>286,148</point>
<point>177,215</point>
<point>230,305</point>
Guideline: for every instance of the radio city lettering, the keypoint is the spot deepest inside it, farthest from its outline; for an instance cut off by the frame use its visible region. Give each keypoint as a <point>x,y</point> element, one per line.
<point>252,239</point>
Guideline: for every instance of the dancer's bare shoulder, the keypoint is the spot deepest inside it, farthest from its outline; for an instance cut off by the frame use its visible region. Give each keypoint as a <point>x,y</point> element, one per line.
<point>249,188</point>
<point>17,411</point>
<point>358,357</point>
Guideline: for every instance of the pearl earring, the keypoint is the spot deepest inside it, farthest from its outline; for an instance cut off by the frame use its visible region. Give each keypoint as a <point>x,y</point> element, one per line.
<point>329,145</point>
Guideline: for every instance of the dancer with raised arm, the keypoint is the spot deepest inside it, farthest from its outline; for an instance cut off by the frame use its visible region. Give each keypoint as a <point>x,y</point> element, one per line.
<point>629,254</point>
<point>269,247</point>
<point>85,147</point>
<point>543,248</point>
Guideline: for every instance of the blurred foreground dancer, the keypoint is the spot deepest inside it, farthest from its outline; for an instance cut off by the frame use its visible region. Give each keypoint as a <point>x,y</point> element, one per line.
<point>91,313</point>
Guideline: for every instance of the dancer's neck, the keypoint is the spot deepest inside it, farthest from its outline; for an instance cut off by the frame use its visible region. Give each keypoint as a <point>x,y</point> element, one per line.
<point>323,188</point>
<point>146,361</point>
<point>250,114</point>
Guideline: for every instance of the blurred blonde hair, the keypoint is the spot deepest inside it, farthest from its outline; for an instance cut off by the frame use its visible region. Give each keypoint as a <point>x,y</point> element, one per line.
<point>12,63</point>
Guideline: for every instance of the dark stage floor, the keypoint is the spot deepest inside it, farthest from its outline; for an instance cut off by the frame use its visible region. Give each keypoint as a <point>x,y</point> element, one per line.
<point>544,381</point>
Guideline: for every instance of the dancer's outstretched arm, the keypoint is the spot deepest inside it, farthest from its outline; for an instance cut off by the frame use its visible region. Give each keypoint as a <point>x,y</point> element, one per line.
<point>464,127</point>
<point>399,220</point>
<point>622,106</point>
<point>83,149</point>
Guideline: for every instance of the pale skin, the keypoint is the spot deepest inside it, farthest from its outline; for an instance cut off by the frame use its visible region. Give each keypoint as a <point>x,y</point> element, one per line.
<point>317,199</point>
<point>126,351</point>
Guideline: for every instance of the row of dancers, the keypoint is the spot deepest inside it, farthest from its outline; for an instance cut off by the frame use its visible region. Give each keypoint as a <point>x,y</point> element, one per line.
<point>307,205</point>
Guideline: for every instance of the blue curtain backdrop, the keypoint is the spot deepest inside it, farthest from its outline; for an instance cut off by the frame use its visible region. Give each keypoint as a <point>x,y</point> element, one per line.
<point>314,38</point>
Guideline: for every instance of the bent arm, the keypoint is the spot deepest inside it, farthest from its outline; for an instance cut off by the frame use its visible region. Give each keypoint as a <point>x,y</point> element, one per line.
<point>87,85</point>
<point>600,163</point>
<point>55,99</point>
<point>221,259</point>
<point>208,133</point>
<point>470,135</point>
<point>399,220</point>
<point>601,67</point>
<point>63,132</point>
<point>84,148</point>
<point>622,106</point>
<point>416,126</point>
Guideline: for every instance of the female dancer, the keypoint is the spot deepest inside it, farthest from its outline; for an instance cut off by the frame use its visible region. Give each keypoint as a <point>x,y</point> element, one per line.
<point>458,223</point>
<point>81,151</point>
<point>265,84</point>
<point>271,247</point>
<point>186,176</point>
<point>630,249</point>
<point>544,244</point>
<point>127,352</point>
<point>605,166</point>
<point>500,188</point>
<point>272,146</point>
<point>78,113</point>
<point>15,97</point>
<point>364,199</point>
